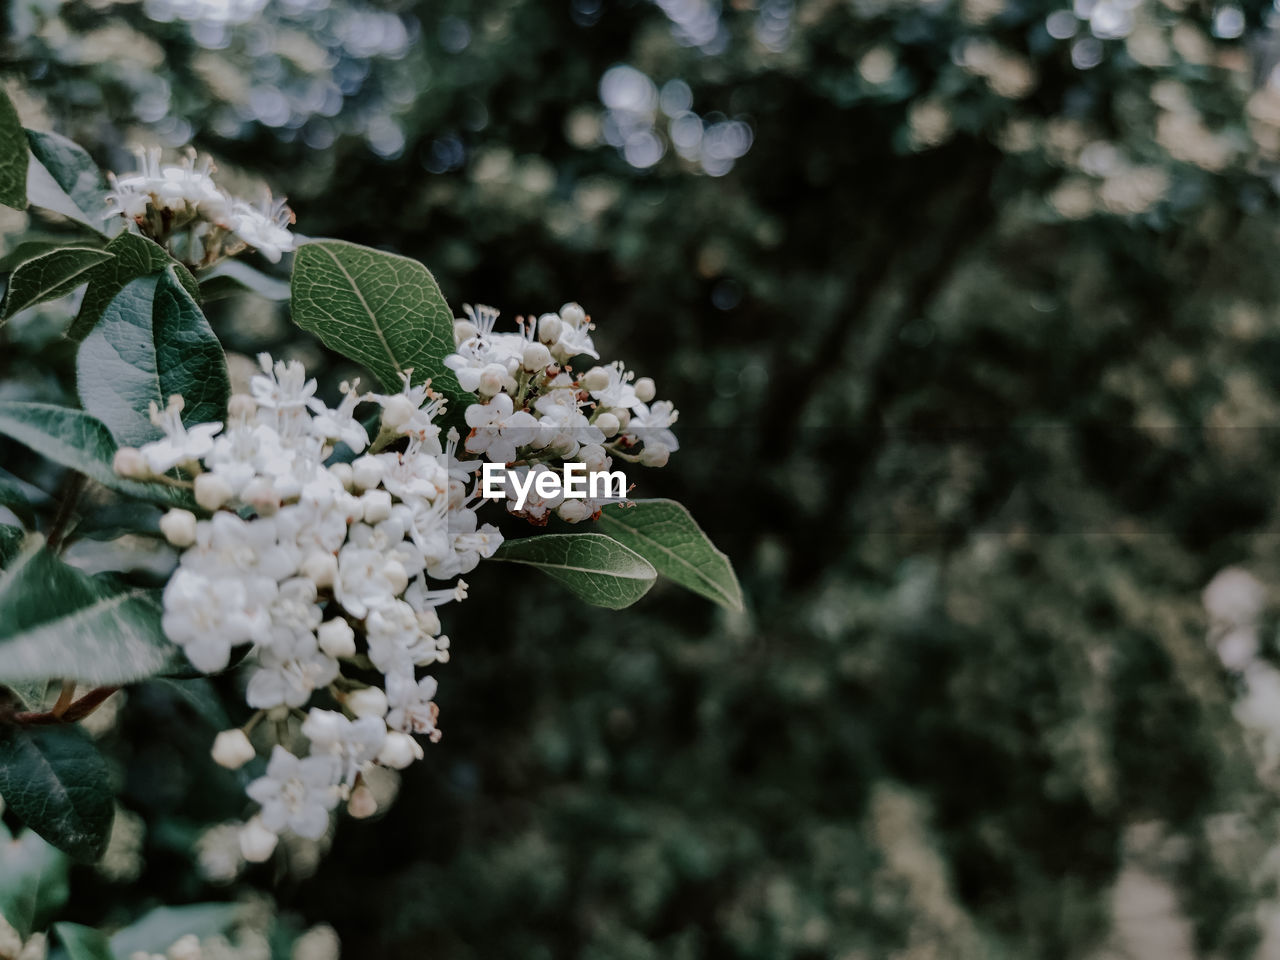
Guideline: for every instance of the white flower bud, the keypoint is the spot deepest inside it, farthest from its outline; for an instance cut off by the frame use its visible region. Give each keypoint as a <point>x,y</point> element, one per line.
<point>645,389</point>
<point>536,357</point>
<point>573,511</point>
<point>623,415</point>
<point>492,379</point>
<point>362,803</point>
<point>397,412</point>
<point>337,639</point>
<point>597,378</point>
<point>320,568</point>
<point>463,330</point>
<point>366,472</point>
<point>261,494</point>
<point>343,474</point>
<point>212,492</point>
<point>287,487</point>
<point>241,406</point>
<point>593,457</point>
<point>257,843</point>
<point>232,749</point>
<point>368,702</point>
<point>179,527</point>
<point>655,454</point>
<point>608,424</point>
<point>396,576</point>
<point>377,505</point>
<point>129,462</point>
<point>573,314</point>
<point>429,620</point>
<point>549,328</point>
<point>399,750</point>
<point>188,948</point>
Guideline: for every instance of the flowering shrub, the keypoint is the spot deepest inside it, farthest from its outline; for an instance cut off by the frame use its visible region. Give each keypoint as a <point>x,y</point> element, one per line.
<point>318,542</point>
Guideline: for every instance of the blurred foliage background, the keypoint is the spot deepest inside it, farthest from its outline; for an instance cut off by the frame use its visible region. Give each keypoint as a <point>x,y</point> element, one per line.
<point>970,309</point>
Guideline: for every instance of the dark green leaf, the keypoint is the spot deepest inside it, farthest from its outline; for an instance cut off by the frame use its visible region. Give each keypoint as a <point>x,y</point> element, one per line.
<point>33,880</point>
<point>162,927</point>
<point>59,622</point>
<point>73,170</point>
<point>151,342</point>
<point>43,193</point>
<point>133,257</point>
<point>55,781</point>
<point>596,568</point>
<point>234,276</point>
<point>48,277</point>
<point>12,497</point>
<point>13,157</point>
<point>663,532</point>
<point>76,440</point>
<point>379,309</point>
<point>83,943</point>
<point>10,543</point>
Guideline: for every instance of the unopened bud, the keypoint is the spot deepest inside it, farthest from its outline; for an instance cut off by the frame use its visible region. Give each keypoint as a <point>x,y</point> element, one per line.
<point>212,492</point>
<point>320,568</point>
<point>608,424</point>
<point>179,527</point>
<point>645,389</point>
<point>623,415</point>
<point>232,749</point>
<point>655,454</point>
<point>368,702</point>
<point>573,511</point>
<point>366,472</point>
<point>492,379</point>
<point>396,576</point>
<point>337,639</point>
<point>257,843</point>
<point>573,314</point>
<point>429,620</point>
<point>343,474</point>
<point>129,462</point>
<point>536,357</point>
<point>597,378</point>
<point>399,750</point>
<point>362,804</point>
<point>463,330</point>
<point>549,328</point>
<point>593,457</point>
<point>397,412</point>
<point>261,494</point>
<point>377,505</point>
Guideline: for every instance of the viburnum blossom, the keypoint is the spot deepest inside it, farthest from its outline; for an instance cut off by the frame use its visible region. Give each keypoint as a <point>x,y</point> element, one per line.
<point>330,554</point>
<point>179,206</point>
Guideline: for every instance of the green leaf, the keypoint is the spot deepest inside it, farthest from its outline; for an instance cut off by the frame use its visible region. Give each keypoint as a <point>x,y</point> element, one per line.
<point>12,497</point>
<point>151,342</point>
<point>33,880</point>
<point>234,276</point>
<point>10,543</point>
<point>158,930</point>
<point>132,257</point>
<point>13,157</point>
<point>48,277</point>
<point>57,621</point>
<point>55,781</point>
<point>73,170</point>
<point>596,568</point>
<point>76,440</point>
<point>665,534</point>
<point>379,309</point>
<point>83,943</point>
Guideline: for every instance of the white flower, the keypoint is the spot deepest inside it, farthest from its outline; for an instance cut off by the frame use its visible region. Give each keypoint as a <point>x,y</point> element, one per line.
<point>265,229</point>
<point>467,544</point>
<point>179,445</point>
<point>651,424</point>
<point>616,390</point>
<point>497,431</point>
<point>536,507</point>
<point>207,617</point>
<point>399,751</point>
<point>228,546</point>
<point>353,743</point>
<point>296,794</point>
<point>257,843</point>
<point>288,673</point>
<point>364,581</point>
<point>412,707</point>
<point>232,749</point>
<point>282,386</point>
<point>340,423</point>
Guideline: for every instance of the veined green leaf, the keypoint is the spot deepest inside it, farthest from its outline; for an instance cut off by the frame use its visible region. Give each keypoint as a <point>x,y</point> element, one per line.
<point>49,276</point>
<point>664,533</point>
<point>151,342</point>
<point>596,568</point>
<point>73,170</point>
<point>55,781</point>
<point>132,257</point>
<point>59,622</point>
<point>76,440</point>
<point>14,157</point>
<point>379,309</point>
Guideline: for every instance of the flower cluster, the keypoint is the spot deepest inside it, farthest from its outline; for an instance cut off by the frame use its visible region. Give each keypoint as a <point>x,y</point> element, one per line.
<point>333,570</point>
<point>181,208</point>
